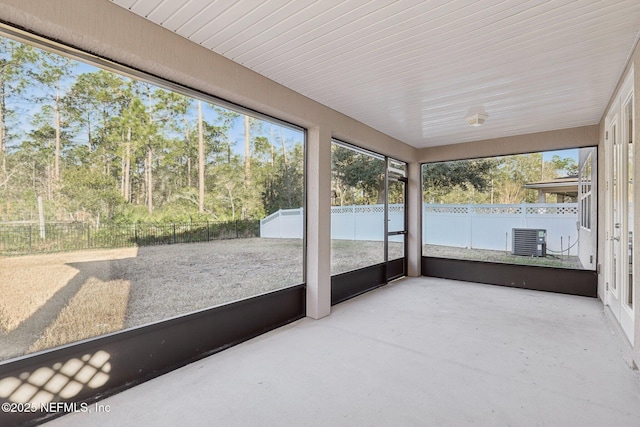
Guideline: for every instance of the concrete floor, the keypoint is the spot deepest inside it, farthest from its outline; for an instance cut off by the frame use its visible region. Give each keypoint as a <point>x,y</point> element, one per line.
<point>418,352</point>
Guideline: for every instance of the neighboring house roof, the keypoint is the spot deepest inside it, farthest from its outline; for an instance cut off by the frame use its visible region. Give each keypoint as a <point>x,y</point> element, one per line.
<point>565,185</point>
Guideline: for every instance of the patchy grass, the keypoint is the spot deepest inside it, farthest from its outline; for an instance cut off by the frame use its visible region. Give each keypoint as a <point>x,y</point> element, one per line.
<point>5,321</point>
<point>25,288</point>
<point>348,255</point>
<point>54,299</point>
<point>499,256</point>
<point>27,283</point>
<point>97,309</point>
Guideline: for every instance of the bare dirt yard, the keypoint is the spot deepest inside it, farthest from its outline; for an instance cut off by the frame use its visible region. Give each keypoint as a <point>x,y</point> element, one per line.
<point>54,299</point>
<point>500,256</point>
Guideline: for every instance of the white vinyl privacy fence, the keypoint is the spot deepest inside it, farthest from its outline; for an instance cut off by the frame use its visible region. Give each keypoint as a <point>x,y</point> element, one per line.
<point>283,224</point>
<point>361,222</point>
<point>464,226</point>
<point>490,226</point>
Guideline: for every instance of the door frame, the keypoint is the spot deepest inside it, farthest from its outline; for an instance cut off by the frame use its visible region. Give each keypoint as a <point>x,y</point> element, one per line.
<point>396,267</point>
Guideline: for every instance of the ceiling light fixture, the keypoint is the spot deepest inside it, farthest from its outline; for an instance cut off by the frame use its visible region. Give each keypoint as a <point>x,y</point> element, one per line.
<point>477,119</point>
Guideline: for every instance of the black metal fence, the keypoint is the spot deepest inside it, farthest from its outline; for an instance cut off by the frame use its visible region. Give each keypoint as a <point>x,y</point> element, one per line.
<point>56,237</point>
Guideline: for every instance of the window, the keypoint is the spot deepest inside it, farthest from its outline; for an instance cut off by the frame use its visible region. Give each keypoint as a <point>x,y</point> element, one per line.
<point>586,172</point>
<point>126,201</point>
<point>519,209</point>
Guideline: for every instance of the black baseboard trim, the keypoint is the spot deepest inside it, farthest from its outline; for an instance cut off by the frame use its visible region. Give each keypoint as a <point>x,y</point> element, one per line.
<point>103,366</point>
<point>353,283</point>
<point>397,268</point>
<point>559,280</point>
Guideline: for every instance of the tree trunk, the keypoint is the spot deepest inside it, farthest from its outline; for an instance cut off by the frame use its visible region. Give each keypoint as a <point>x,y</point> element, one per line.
<point>188,140</point>
<point>200,160</point>
<point>122,176</point>
<point>381,192</point>
<point>229,187</point>
<point>149,180</point>
<point>3,131</point>
<point>56,109</point>
<point>273,154</point>
<point>89,132</point>
<point>150,155</point>
<point>247,151</point>
<point>127,167</point>
<point>284,148</point>
<point>50,172</point>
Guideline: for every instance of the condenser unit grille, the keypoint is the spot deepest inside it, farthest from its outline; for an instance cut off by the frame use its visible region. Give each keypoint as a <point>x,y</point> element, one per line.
<point>529,242</point>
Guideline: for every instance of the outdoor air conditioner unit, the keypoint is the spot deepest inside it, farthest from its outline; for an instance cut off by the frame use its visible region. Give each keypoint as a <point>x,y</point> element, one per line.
<point>529,242</point>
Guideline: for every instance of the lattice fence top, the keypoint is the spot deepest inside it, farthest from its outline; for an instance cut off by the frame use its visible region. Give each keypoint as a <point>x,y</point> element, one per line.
<point>552,210</point>
<point>270,218</point>
<point>446,209</point>
<point>341,209</point>
<point>497,210</point>
<point>281,212</point>
<point>369,209</point>
<point>558,209</point>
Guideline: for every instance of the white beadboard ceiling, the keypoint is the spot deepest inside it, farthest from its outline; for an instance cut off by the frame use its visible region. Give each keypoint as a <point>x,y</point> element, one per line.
<point>415,69</point>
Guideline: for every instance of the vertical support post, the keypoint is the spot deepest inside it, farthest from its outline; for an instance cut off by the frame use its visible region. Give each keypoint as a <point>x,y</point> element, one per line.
<point>414,219</point>
<point>318,220</point>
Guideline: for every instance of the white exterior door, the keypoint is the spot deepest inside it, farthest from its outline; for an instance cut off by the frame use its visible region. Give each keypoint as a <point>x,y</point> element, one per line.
<point>619,213</point>
<point>614,221</point>
<point>627,169</point>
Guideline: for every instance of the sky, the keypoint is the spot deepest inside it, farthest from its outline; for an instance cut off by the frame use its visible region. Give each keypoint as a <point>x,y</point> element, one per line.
<point>26,110</point>
<point>563,154</point>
